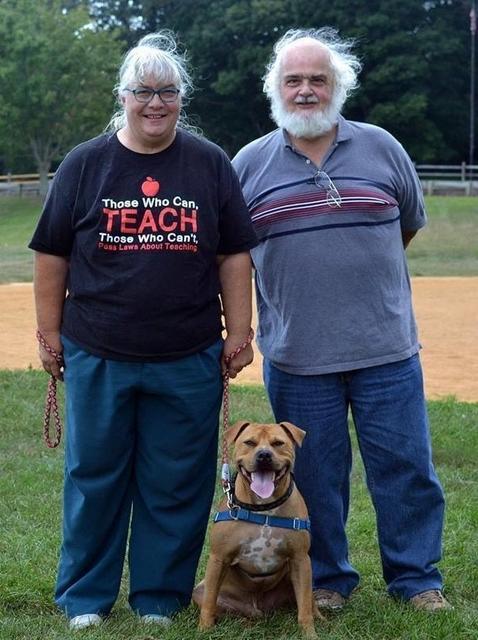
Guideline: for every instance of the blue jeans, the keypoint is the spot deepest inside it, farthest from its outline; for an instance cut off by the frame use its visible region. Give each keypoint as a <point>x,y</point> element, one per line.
<point>140,458</point>
<point>389,413</point>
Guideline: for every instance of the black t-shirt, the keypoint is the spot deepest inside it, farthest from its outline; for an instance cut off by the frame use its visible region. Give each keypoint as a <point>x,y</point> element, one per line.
<point>142,232</point>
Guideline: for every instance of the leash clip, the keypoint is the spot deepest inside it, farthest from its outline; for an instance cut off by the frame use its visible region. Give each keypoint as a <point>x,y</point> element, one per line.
<point>226,485</point>
<point>225,473</point>
<point>229,497</point>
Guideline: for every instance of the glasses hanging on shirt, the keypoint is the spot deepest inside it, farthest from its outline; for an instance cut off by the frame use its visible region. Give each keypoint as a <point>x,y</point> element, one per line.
<point>322,180</point>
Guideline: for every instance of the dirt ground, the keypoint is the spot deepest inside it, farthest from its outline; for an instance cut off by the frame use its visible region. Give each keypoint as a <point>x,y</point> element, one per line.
<point>446,311</point>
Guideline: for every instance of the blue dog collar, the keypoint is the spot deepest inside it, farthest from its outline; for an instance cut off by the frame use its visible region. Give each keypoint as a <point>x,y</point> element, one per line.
<point>237,513</point>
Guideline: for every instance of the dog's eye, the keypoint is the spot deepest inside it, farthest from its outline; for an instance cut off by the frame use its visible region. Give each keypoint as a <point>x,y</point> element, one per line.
<point>249,443</point>
<point>277,443</point>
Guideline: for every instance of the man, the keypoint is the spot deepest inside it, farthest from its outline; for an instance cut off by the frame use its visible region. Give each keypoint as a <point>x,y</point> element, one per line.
<point>334,204</point>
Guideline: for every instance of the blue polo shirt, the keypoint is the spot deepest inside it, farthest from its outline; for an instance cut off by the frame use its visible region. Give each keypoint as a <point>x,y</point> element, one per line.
<point>332,284</point>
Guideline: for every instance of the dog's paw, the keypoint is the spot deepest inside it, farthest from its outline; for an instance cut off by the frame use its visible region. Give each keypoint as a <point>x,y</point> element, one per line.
<point>310,633</point>
<point>206,622</point>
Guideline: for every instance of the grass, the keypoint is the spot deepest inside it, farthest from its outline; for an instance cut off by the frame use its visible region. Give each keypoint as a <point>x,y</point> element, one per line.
<point>18,217</point>
<point>30,507</point>
<point>446,246</point>
<point>31,480</point>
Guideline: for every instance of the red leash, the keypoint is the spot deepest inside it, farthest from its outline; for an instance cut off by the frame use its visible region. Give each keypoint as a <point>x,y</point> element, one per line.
<point>225,473</point>
<point>51,402</point>
<point>51,406</point>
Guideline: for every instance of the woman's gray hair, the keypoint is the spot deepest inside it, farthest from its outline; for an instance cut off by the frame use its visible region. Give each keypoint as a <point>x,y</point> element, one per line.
<point>156,55</point>
<point>345,65</point>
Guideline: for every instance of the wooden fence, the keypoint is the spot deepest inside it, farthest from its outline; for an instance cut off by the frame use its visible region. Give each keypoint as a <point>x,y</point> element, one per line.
<point>449,178</point>
<point>436,179</point>
<point>21,183</point>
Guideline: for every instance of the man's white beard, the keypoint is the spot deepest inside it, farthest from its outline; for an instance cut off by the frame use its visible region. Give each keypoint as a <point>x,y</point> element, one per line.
<point>305,124</point>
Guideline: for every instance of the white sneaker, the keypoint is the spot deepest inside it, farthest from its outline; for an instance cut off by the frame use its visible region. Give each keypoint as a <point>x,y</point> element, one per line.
<point>155,618</point>
<point>85,620</point>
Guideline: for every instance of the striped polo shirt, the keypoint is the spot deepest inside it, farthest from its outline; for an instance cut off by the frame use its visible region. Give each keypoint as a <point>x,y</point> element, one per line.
<point>332,284</point>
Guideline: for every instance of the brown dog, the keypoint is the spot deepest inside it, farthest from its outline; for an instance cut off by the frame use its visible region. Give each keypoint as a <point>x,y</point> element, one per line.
<point>256,567</point>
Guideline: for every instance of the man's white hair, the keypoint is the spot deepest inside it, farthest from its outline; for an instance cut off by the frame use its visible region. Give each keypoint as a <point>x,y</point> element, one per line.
<point>345,66</point>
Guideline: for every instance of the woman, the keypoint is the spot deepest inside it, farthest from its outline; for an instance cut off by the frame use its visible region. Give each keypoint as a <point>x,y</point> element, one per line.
<point>144,228</point>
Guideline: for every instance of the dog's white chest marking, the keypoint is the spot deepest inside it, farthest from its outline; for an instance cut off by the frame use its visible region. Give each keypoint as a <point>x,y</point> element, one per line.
<point>263,552</point>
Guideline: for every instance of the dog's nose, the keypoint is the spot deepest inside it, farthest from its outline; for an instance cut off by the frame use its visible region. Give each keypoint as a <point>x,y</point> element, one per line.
<point>263,456</point>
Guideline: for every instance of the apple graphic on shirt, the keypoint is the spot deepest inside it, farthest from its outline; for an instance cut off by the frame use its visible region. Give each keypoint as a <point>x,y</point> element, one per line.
<point>150,187</point>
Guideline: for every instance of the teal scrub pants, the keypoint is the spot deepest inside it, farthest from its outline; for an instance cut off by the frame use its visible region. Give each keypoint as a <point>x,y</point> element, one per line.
<point>140,457</point>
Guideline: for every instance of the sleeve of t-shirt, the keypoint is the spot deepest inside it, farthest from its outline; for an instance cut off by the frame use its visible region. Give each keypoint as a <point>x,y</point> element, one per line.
<point>244,164</point>
<point>409,192</point>
<point>54,232</point>
<point>235,227</point>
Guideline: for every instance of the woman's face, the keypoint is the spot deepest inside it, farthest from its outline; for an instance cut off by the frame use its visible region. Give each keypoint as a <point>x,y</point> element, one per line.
<point>151,126</point>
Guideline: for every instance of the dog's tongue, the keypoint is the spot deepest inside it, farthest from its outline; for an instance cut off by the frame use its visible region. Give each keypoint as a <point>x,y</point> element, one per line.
<point>263,483</point>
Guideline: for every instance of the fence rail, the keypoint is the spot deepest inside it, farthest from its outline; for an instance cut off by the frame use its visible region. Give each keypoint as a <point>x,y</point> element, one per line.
<point>22,177</point>
<point>448,178</point>
<point>460,172</point>
<point>435,178</point>
<point>21,183</point>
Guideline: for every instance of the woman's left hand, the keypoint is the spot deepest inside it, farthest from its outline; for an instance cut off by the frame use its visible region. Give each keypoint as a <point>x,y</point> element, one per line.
<point>239,361</point>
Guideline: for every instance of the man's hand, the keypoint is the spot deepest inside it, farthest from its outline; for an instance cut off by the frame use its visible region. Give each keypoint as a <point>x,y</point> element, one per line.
<point>407,237</point>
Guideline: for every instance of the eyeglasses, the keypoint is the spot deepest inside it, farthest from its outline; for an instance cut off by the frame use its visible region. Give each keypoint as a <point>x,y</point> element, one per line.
<point>334,198</point>
<point>145,94</point>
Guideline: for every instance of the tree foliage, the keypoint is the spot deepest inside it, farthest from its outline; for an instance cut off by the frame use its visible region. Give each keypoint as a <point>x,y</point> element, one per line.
<point>56,79</point>
<point>415,80</point>
<point>57,74</point>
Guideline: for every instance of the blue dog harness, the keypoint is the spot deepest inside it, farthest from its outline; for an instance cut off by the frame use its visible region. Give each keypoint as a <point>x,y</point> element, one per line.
<point>237,513</point>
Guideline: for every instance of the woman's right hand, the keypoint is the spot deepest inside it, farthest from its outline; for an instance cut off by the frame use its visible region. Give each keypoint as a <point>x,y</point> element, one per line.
<point>49,281</point>
<point>48,360</point>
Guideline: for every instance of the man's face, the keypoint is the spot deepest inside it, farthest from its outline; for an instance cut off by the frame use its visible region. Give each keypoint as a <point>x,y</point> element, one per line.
<point>306,84</point>
<point>305,104</point>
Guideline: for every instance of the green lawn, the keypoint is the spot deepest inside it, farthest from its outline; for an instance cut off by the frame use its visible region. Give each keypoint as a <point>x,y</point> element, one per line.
<point>18,218</point>
<point>446,246</point>
<point>30,505</point>
<point>31,482</point>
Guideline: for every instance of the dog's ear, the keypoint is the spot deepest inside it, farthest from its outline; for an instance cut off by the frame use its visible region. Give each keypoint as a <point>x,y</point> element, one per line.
<point>233,432</point>
<point>294,432</point>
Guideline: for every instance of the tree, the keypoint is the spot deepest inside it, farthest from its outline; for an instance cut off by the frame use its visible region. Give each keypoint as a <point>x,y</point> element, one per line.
<point>415,52</point>
<point>411,81</point>
<point>56,79</point>
<point>132,17</point>
<point>415,80</point>
<point>414,77</point>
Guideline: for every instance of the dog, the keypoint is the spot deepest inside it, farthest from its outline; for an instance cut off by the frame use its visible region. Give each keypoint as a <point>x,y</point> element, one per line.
<point>256,564</point>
